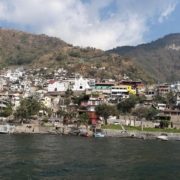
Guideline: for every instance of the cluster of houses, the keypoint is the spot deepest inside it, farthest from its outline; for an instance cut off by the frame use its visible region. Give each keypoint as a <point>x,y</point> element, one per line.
<point>50,88</point>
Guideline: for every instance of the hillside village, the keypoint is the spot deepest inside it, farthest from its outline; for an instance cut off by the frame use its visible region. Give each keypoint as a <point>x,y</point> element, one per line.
<point>55,97</point>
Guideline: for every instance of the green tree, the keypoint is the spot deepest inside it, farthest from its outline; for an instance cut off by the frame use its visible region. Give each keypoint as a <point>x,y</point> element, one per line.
<point>81,98</point>
<point>7,111</point>
<point>164,124</point>
<point>61,113</point>
<point>160,99</point>
<point>140,112</point>
<point>68,93</point>
<point>105,111</point>
<point>126,105</point>
<point>84,119</point>
<point>151,113</point>
<point>144,112</point>
<point>170,99</point>
<point>68,117</point>
<point>28,107</point>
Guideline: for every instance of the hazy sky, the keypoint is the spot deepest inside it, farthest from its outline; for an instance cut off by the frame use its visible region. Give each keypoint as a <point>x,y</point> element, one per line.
<point>98,23</point>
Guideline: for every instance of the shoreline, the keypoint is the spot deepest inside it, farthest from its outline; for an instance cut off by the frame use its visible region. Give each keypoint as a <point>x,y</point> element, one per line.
<point>139,134</point>
<point>113,134</point>
<point>74,131</point>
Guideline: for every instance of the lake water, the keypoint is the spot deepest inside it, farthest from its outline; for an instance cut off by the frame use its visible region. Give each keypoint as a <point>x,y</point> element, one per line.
<point>56,157</point>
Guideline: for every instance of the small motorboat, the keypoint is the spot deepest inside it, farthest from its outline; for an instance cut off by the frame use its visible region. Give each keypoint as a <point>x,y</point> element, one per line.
<point>163,137</point>
<point>99,135</point>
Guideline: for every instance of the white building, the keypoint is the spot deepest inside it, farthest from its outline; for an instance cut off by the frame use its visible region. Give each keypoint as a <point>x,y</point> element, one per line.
<point>177,98</point>
<point>55,86</point>
<point>81,84</point>
<point>161,106</point>
<point>176,87</point>
<point>14,75</point>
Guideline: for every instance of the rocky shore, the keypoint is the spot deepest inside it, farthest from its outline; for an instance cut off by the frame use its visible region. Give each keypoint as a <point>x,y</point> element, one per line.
<point>139,134</point>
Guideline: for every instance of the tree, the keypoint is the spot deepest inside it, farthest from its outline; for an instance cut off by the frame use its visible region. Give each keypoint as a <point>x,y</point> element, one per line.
<point>170,99</point>
<point>81,98</point>
<point>68,93</point>
<point>164,124</point>
<point>68,117</point>
<point>7,111</point>
<point>159,99</point>
<point>105,111</point>
<point>140,112</point>
<point>144,112</point>
<point>126,105</point>
<point>84,119</point>
<point>151,113</point>
<point>28,107</point>
<point>61,113</point>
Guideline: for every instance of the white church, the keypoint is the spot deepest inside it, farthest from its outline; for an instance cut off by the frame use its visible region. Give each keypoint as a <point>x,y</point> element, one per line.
<point>81,84</point>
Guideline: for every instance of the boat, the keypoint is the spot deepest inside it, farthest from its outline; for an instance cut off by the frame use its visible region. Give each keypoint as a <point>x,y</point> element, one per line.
<point>99,135</point>
<point>163,137</point>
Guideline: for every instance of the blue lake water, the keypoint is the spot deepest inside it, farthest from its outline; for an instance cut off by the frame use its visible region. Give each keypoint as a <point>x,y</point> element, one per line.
<point>59,157</point>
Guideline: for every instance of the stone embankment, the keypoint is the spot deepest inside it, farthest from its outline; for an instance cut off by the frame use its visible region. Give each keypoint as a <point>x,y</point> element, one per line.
<point>46,129</point>
<point>35,129</point>
<point>139,134</point>
<point>69,130</point>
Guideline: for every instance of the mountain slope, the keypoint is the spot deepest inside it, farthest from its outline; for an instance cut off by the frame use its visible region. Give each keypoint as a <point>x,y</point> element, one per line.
<point>18,48</point>
<point>160,58</point>
<point>36,51</point>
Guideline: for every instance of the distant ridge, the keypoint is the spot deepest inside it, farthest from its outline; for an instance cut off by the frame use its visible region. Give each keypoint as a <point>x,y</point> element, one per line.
<point>160,58</point>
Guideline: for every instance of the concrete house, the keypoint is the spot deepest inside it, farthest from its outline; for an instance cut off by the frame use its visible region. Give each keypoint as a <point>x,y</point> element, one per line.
<point>55,86</point>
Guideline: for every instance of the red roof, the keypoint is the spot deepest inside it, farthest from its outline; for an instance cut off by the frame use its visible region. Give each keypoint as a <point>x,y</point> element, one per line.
<point>52,81</point>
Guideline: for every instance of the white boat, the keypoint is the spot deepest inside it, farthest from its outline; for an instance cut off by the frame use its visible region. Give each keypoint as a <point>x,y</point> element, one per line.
<point>98,135</point>
<point>163,137</point>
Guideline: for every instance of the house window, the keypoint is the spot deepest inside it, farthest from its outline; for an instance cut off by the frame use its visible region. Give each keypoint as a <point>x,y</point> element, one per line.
<point>80,87</point>
<point>55,89</point>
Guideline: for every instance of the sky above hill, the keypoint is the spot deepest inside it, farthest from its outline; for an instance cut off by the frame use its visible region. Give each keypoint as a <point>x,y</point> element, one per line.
<point>102,24</point>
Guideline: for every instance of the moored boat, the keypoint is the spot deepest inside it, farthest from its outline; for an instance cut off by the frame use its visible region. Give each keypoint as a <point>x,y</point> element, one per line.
<point>99,135</point>
<point>163,137</point>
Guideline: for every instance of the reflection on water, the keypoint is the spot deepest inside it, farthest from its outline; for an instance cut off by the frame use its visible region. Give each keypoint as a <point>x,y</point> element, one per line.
<point>57,157</point>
